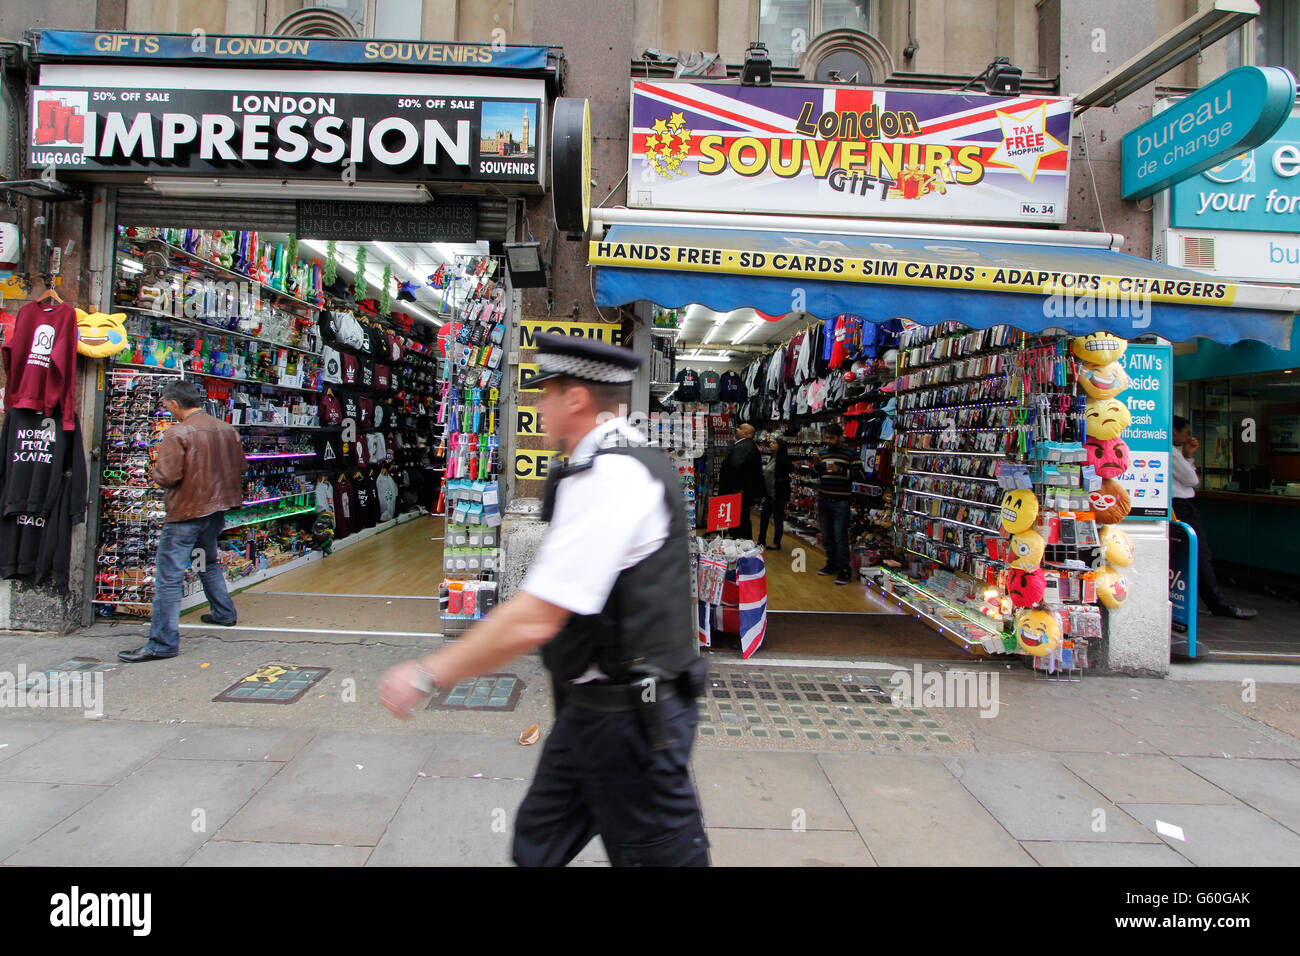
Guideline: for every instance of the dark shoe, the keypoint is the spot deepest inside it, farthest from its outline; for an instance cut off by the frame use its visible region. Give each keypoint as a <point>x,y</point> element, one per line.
<point>828,570</point>
<point>209,619</point>
<point>1241,613</point>
<point>772,547</point>
<point>140,654</point>
<point>842,579</point>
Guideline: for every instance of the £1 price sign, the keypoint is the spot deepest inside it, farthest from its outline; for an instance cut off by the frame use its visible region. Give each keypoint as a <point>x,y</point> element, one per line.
<point>724,512</point>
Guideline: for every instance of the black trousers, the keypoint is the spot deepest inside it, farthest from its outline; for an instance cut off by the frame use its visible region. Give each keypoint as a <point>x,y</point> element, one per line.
<point>598,775</point>
<point>1207,585</point>
<point>774,510</point>
<point>745,530</point>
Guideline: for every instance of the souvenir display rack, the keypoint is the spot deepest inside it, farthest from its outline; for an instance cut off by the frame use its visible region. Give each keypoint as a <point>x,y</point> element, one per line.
<point>469,413</point>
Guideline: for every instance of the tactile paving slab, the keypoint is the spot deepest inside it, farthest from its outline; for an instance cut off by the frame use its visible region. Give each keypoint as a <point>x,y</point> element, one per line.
<point>499,692</point>
<point>787,708</point>
<point>273,683</point>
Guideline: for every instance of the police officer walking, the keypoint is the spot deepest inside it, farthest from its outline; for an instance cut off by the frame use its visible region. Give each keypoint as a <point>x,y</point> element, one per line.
<point>608,600</point>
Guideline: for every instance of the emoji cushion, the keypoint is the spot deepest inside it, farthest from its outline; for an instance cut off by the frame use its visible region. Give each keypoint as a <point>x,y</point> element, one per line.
<point>1110,458</point>
<point>1103,381</point>
<point>1106,418</point>
<point>1027,549</point>
<point>1116,546</point>
<point>1019,510</point>
<point>100,335</point>
<point>1099,348</point>
<point>1112,587</point>
<point>1026,588</point>
<point>1110,503</point>
<point>1038,633</point>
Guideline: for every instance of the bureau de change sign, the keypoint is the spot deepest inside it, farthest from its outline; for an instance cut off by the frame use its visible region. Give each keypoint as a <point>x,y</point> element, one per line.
<point>1237,112</point>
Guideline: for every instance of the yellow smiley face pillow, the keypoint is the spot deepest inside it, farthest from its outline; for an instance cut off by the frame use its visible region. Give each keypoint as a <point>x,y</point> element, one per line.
<point>1103,381</point>
<point>1038,633</point>
<point>100,335</point>
<point>1019,510</point>
<point>1107,418</point>
<point>1099,348</point>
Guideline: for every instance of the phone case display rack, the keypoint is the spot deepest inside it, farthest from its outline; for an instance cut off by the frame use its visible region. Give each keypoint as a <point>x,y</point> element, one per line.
<point>188,313</point>
<point>469,412</point>
<point>981,412</point>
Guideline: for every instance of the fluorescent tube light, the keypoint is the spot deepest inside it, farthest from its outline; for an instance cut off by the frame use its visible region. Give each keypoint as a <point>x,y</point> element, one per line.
<point>288,189</point>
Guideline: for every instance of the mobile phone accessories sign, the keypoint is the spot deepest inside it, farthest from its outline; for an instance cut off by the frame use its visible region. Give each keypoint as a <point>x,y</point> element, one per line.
<point>849,151</point>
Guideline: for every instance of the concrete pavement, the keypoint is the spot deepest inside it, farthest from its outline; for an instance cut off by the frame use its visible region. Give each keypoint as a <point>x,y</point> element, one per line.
<point>1108,771</point>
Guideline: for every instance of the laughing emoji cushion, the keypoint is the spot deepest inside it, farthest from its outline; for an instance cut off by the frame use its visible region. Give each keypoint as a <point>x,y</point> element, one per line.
<point>1103,381</point>
<point>100,335</point>
<point>1019,510</point>
<point>1110,503</point>
<point>1107,418</point>
<point>1038,633</point>
<point>1099,348</point>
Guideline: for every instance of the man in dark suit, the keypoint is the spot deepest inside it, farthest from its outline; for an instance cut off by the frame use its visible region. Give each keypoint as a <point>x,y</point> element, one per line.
<point>742,473</point>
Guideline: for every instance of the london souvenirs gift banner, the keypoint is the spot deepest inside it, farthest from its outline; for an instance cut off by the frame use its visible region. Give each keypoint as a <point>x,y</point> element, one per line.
<point>264,129</point>
<point>849,151</point>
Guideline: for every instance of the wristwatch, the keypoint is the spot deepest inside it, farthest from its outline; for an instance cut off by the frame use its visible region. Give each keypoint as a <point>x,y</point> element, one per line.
<point>423,681</point>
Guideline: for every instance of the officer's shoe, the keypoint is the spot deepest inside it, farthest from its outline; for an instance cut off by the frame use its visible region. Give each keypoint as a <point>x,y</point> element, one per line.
<point>828,570</point>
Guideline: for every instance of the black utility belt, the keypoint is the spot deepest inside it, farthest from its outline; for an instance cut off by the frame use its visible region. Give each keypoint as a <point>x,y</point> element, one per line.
<point>616,698</point>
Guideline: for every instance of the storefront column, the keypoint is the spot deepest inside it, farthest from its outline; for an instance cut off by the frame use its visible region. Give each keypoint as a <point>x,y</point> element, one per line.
<point>1138,640</point>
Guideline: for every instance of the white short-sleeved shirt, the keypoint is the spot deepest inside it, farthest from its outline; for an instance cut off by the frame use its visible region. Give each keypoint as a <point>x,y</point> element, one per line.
<point>606,519</point>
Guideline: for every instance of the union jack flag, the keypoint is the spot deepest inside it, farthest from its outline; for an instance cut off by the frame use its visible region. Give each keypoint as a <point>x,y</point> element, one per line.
<point>744,605</point>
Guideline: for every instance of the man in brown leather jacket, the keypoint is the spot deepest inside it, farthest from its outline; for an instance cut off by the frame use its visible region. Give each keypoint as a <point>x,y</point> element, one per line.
<point>201,464</point>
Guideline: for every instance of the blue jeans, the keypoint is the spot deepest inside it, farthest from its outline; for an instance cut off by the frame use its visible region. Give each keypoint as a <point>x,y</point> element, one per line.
<point>176,546</point>
<point>834,516</point>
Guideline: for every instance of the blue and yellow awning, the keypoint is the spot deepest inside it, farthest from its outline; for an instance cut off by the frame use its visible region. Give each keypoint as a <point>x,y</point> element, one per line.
<point>1033,286</point>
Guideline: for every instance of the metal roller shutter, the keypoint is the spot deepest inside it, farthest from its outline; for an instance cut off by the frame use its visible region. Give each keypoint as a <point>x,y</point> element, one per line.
<point>141,206</point>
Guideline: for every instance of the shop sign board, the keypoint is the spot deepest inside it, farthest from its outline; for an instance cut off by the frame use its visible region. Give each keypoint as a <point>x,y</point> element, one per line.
<point>1237,112</point>
<point>610,333</point>
<point>1251,256</point>
<point>153,47</point>
<point>533,464</point>
<point>528,421</point>
<point>1150,400</point>
<point>849,151</point>
<point>1256,190</point>
<point>445,219</point>
<point>260,129</point>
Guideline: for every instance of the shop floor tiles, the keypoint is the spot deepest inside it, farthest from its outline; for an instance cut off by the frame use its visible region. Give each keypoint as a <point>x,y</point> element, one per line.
<point>1276,631</point>
<point>819,709</point>
<point>324,613</point>
<point>858,636</point>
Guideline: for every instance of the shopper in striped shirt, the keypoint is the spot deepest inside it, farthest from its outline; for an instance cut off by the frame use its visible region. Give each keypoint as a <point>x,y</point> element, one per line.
<point>833,489</point>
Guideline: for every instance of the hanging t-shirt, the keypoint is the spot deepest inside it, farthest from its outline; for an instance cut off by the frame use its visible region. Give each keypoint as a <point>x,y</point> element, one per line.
<point>366,379</point>
<point>331,366</point>
<point>383,378</point>
<point>329,451</point>
<point>349,369</point>
<point>350,331</point>
<point>40,360</point>
<point>324,496</point>
<point>386,488</point>
<point>328,327</point>
<point>344,509</point>
<point>352,408</point>
<point>331,412</point>
<point>361,451</point>
<point>730,388</point>
<point>367,501</point>
<point>688,385</point>
<point>367,410</point>
<point>34,458</point>
<point>394,347</point>
<point>709,385</point>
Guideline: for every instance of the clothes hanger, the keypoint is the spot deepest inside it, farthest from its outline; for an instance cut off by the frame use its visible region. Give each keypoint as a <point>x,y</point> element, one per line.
<point>50,293</point>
